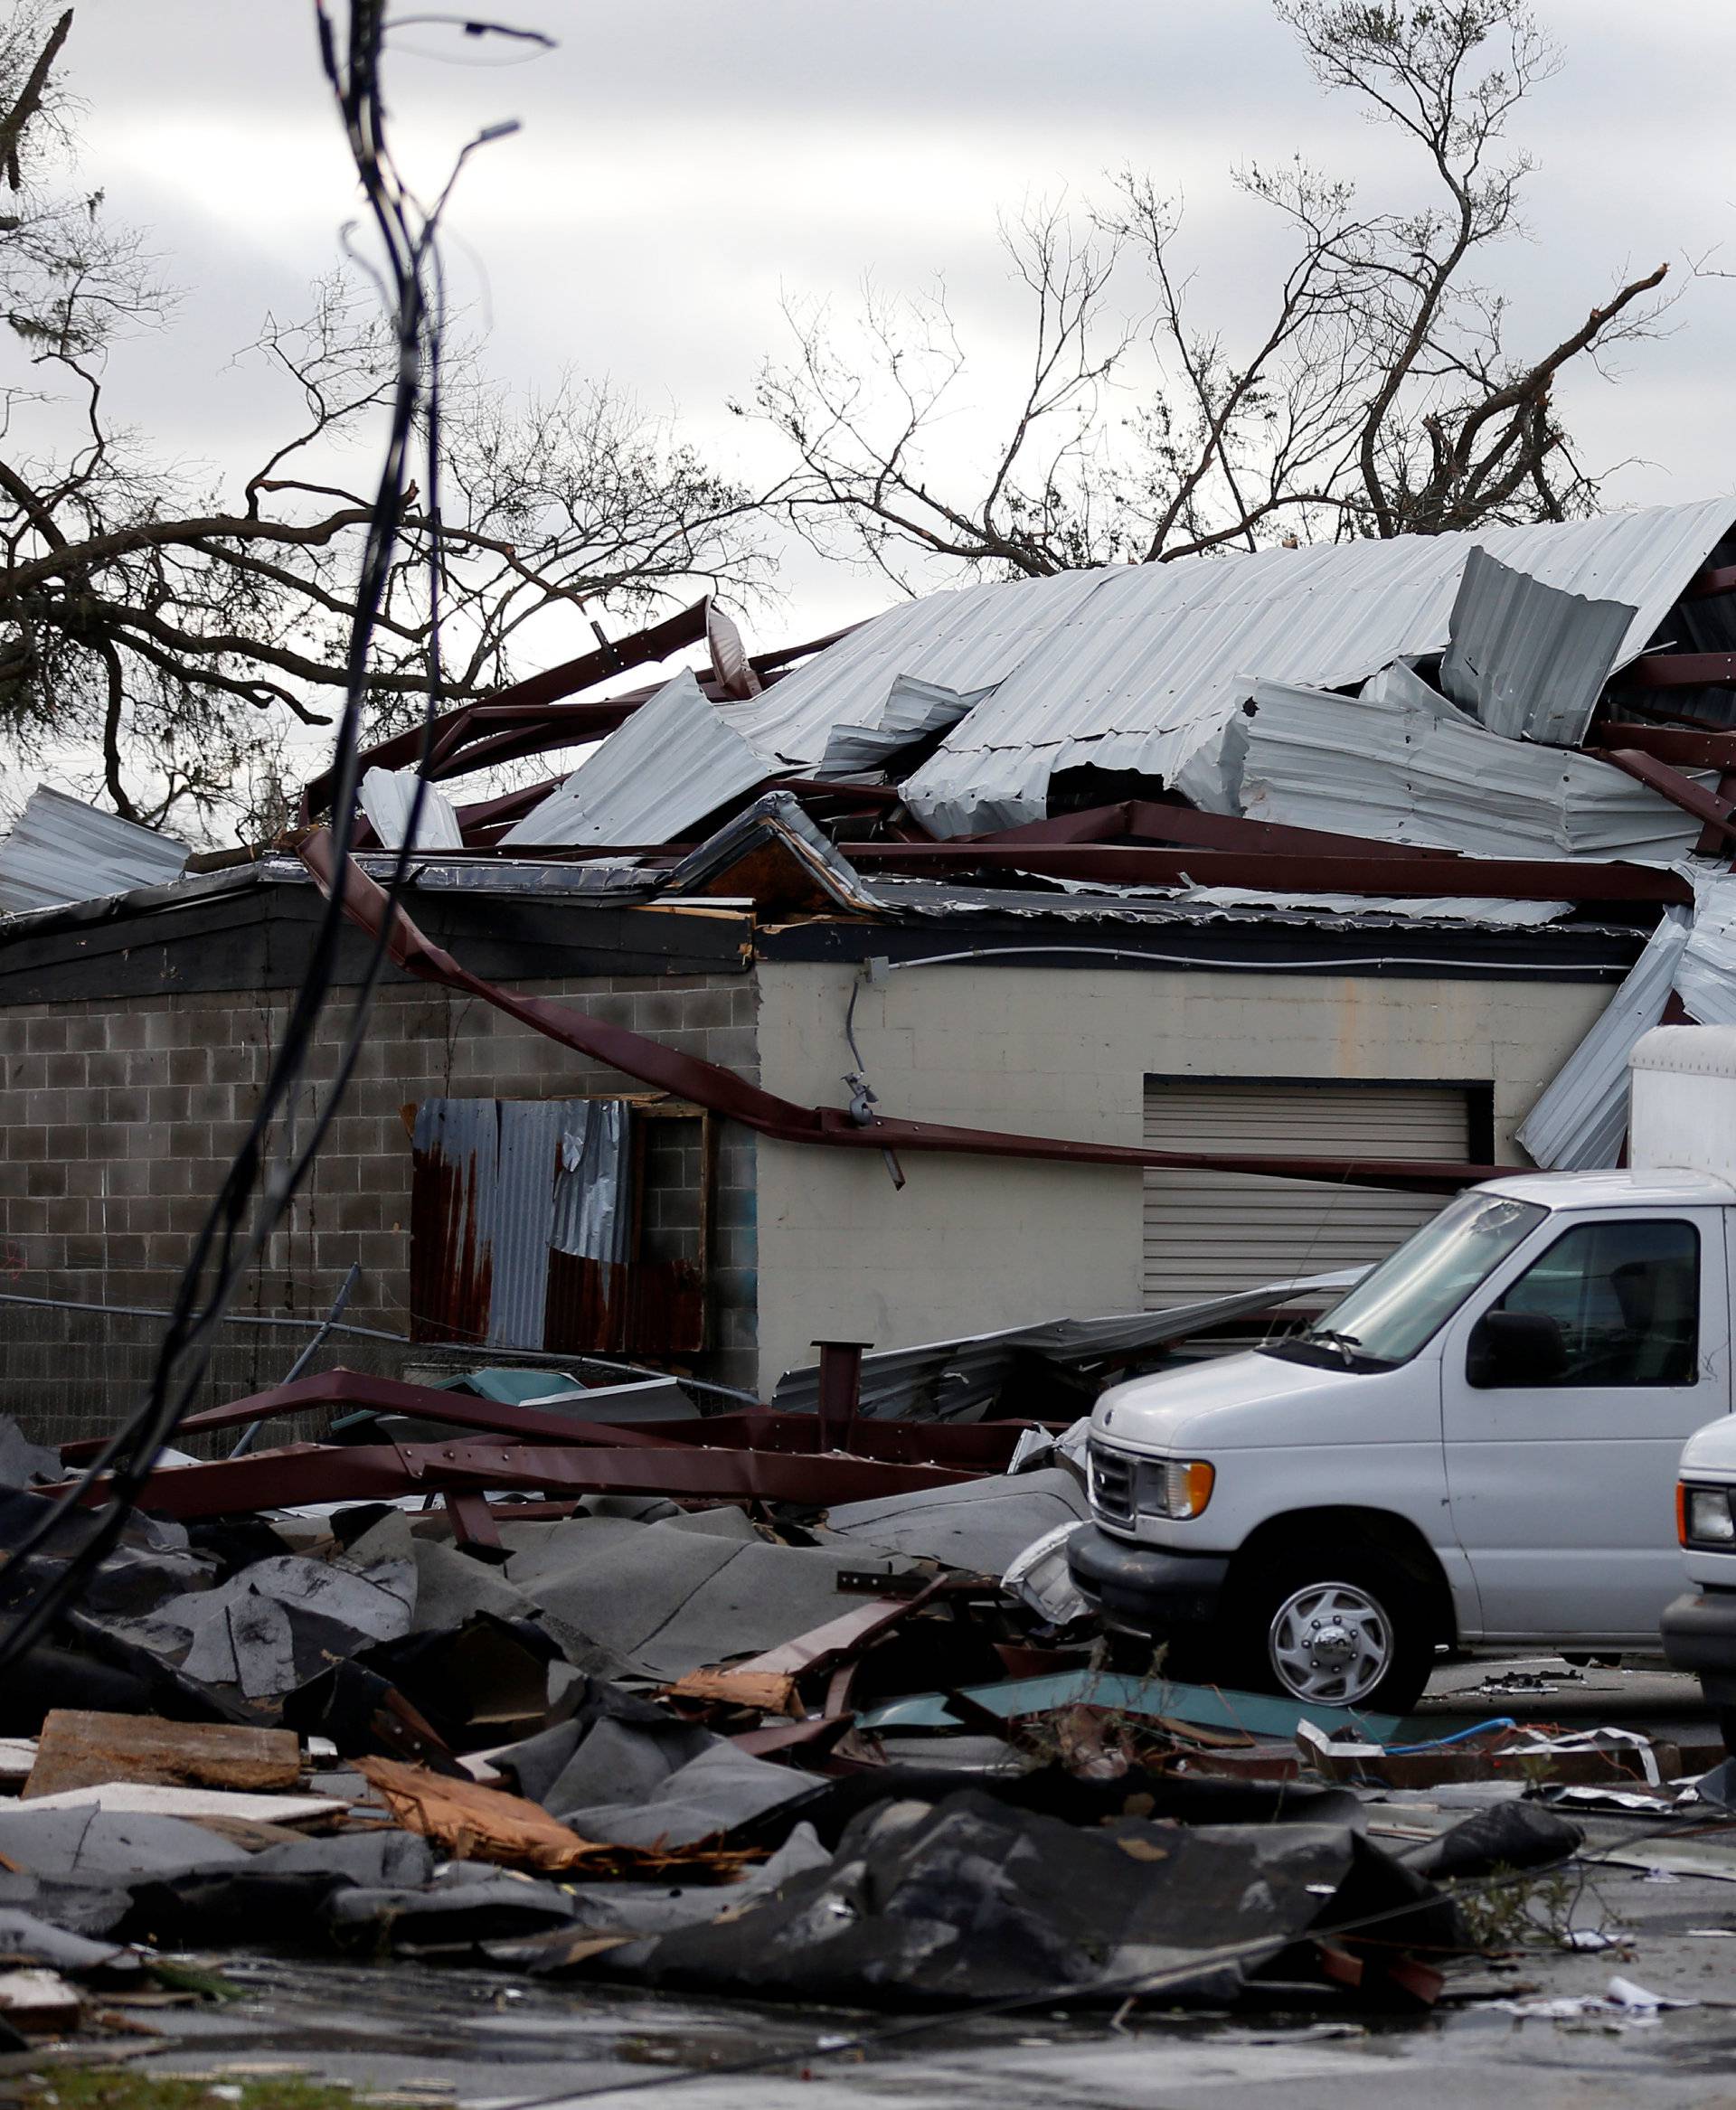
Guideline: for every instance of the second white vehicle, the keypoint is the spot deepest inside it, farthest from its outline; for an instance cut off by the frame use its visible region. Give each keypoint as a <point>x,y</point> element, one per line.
<point>1475,1447</point>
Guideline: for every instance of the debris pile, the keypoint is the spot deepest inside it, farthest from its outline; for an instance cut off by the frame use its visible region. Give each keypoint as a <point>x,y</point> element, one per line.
<point>755,1743</point>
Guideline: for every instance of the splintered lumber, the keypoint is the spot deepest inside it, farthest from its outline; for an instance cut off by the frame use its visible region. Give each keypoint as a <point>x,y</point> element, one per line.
<point>474,1822</point>
<point>80,1749</point>
<point>471,1822</point>
<point>771,1691</point>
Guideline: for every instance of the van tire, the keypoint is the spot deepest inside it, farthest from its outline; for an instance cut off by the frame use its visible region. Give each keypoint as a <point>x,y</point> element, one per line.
<point>1396,1623</point>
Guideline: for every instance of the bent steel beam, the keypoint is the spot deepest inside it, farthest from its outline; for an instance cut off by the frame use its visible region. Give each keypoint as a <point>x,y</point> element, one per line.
<point>721,1091</point>
<point>301,1473</point>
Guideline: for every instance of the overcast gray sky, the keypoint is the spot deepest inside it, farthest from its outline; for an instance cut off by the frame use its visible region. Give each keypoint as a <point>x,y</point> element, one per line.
<point>684,166</point>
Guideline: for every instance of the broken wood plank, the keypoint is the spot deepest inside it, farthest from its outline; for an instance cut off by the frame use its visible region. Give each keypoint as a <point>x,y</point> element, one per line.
<point>81,1749</point>
<point>474,1822</point>
<point>766,1691</point>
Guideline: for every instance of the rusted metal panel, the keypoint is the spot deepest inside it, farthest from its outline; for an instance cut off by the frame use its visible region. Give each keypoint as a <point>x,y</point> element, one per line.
<point>523,1213</point>
<point>457,1144</point>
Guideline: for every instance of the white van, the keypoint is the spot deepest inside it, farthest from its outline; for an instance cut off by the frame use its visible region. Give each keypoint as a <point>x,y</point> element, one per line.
<point>1476,1447</point>
<point>1699,1628</point>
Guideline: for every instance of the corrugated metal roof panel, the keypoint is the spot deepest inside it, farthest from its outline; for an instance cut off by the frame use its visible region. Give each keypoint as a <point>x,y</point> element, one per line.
<point>1529,659</point>
<point>675,760</point>
<point>593,1199</point>
<point>62,850</point>
<point>1422,773</point>
<point>963,639</point>
<point>913,710</point>
<point>522,1216</point>
<point>1706,976</point>
<point>1582,1114</point>
<point>1139,667</point>
<point>387,796</point>
<point>958,1380</point>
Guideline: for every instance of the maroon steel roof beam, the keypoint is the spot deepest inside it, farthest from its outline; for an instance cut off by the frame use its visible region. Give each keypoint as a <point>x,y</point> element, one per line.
<point>319,1472</point>
<point>1145,820</point>
<point>967,1447</point>
<point>1688,747</point>
<point>1693,800</point>
<point>529,717</point>
<point>1678,670</point>
<point>1500,878</point>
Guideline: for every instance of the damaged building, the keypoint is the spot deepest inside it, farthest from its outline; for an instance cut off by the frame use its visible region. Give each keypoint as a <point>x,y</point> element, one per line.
<point>1061,949</point>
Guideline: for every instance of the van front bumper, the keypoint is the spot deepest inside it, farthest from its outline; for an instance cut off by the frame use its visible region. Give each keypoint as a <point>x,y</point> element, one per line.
<point>1141,1588</point>
<point>1698,1633</point>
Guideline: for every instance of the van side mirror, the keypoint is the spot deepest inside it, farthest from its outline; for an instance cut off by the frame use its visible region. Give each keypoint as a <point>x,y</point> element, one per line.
<point>1511,1348</point>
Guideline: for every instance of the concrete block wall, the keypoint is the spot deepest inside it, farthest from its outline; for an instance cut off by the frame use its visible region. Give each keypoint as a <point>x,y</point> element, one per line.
<point>972,1244</point>
<point>118,1118</point>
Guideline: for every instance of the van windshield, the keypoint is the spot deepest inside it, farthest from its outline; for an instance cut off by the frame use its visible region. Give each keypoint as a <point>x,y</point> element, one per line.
<point>1391,1312</point>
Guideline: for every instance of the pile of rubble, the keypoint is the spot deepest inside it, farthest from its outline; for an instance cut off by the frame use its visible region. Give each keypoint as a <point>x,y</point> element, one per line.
<point>762,1742</point>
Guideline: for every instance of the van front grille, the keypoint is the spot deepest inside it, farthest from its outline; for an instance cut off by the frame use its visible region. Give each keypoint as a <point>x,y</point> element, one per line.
<point>1112,1483</point>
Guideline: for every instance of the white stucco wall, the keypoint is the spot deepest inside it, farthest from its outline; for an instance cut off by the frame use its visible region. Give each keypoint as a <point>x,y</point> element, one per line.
<point>976,1243</point>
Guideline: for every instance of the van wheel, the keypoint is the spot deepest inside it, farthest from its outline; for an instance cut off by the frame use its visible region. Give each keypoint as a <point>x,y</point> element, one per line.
<point>1338,1630</point>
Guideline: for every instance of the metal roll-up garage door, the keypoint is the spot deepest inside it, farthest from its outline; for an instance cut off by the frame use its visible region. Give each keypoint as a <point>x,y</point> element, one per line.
<point>1210,1233</point>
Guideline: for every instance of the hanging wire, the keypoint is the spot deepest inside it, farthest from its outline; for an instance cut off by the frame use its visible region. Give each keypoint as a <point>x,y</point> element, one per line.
<point>257,1193</point>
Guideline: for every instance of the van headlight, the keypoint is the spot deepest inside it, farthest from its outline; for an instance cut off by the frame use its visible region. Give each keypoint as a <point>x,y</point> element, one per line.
<point>1178,1488</point>
<point>1705,1517</point>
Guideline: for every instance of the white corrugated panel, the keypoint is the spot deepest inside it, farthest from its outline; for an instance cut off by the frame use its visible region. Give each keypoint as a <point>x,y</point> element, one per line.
<point>62,850</point>
<point>1582,1113</point>
<point>388,797</point>
<point>675,760</point>
<point>1706,976</point>
<point>1403,767</point>
<point>1139,667</point>
<point>1210,1234</point>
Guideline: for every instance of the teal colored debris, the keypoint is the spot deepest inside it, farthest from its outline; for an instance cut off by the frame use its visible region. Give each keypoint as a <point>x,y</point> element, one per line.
<point>1256,1714</point>
<point>510,1388</point>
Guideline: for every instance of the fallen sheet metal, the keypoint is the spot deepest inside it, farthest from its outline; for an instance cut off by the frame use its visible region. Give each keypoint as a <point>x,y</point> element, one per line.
<point>955,1380</point>
<point>900,1915</point>
<point>1580,1119</point>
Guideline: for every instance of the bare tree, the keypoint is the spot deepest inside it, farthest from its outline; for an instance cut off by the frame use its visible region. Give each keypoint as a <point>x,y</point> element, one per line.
<point>182,623</point>
<point>1380,398</point>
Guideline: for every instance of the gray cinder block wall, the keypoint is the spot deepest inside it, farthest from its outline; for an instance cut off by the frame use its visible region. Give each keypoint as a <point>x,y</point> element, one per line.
<point>119,1117</point>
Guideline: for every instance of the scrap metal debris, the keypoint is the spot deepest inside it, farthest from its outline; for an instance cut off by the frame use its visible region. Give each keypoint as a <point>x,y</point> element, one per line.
<point>743,1746</point>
